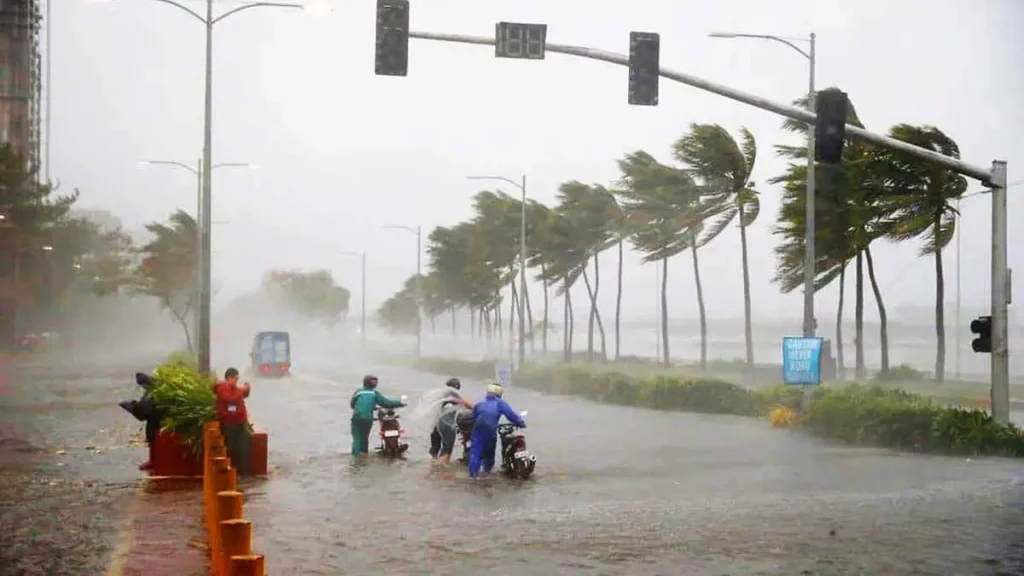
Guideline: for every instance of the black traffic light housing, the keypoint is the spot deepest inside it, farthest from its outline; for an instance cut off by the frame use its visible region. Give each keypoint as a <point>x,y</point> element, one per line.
<point>830,127</point>
<point>644,67</point>
<point>392,55</point>
<point>982,326</point>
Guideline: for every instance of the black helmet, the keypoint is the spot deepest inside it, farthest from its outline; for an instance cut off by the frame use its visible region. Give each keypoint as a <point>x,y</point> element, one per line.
<point>369,381</point>
<point>454,383</point>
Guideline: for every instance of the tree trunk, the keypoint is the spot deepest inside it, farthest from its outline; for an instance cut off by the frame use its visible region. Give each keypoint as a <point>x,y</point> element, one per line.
<point>452,311</point>
<point>597,312</point>
<point>433,326</point>
<point>590,317</point>
<point>840,362</point>
<point>485,321</point>
<point>529,318</point>
<point>700,306</point>
<point>940,306</point>
<point>566,305</point>
<point>664,312</point>
<point>618,308</point>
<point>860,371</point>
<point>748,333</point>
<point>883,319</point>
<point>545,327</point>
<point>497,321</point>
<point>512,308</point>
<point>472,323</point>
<point>570,326</point>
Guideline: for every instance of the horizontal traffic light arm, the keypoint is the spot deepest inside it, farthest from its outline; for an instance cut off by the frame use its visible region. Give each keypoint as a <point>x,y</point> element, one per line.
<point>984,175</point>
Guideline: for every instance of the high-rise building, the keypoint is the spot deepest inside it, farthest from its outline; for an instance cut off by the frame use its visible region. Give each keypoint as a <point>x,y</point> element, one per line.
<point>21,78</point>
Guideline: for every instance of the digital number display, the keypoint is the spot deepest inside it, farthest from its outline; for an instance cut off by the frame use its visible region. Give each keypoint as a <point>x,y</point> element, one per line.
<point>520,40</point>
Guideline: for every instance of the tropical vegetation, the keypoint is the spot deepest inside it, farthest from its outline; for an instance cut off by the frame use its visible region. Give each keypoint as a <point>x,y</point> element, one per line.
<point>665,210</point>
<point>869,415</point>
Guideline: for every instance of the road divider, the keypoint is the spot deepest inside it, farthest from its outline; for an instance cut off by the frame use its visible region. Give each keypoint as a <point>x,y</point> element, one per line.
<point>229,535</point>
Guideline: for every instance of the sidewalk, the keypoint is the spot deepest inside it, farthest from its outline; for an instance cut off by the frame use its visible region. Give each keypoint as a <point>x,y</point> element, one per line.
<point>162,534</point>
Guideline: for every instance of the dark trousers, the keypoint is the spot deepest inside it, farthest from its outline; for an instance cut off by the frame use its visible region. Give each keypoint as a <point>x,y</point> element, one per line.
<point>237,441</point>
<point>361,436</point>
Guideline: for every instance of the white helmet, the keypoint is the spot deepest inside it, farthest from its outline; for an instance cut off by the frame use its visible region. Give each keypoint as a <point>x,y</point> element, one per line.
<point>495,389</point>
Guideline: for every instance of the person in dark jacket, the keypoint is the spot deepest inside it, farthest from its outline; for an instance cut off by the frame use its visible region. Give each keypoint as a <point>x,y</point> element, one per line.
<point>363,402</point>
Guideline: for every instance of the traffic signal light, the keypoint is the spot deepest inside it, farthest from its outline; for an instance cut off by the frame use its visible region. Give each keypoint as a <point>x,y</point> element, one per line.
<point>830,126</point>
<point>644,64</point>
<point>982,326</point>
<point>392,56</point>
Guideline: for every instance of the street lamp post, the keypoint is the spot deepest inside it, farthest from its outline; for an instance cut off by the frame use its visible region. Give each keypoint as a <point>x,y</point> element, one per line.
<point>809,249</point>
<point>522,259</point>
<point>362,298</point>
<point>209,21</point>
<point>418,231</point>
<point>198,171</point>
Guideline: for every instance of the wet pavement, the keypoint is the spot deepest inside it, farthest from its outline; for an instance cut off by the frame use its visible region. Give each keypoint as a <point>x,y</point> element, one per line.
<point>71,498</point>
<point>618,490</point>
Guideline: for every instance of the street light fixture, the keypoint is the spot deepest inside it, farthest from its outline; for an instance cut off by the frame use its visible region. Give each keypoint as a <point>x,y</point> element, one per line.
<point>209,21</point>
<point>809,248</point>
<point>362,298</point>
<point>418,231</point>
<point>522,259</point>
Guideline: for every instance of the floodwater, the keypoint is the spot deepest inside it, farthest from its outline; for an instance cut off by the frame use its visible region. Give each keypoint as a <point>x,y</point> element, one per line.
<point>618,491</point>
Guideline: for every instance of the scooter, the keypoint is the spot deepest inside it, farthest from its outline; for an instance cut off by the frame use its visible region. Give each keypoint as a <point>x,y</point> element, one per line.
<point>516,460</point>
<point>392,435</point>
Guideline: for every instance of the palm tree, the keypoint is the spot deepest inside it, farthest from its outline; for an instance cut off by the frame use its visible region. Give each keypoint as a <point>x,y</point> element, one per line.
<point>723,168</point>
<point>850,214</point>
<point>665,215</point>
<point>921,198</point>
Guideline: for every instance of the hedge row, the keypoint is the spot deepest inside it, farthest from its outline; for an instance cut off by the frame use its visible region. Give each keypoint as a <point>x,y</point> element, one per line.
<point>855,414</point>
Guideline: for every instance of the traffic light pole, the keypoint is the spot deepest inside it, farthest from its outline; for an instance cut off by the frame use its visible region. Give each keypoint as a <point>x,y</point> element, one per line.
<point>994,178</point>
<point>1000,299</point>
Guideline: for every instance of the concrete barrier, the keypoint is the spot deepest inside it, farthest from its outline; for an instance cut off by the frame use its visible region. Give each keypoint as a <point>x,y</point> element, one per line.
<point>229,535</point>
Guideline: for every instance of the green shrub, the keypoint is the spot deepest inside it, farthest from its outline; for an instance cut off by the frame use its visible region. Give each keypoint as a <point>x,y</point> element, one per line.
<point>182,358</point>
<point>901,373</point>
<point>483,369</point>
<point>186,399</point>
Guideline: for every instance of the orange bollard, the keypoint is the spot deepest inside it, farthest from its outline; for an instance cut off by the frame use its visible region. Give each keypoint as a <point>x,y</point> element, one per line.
<point>235,540</point>
<point>258,454</point>
<point>209,494</point>
<point>223,481</point>
<point>229,508</point>
<point>251,565</point>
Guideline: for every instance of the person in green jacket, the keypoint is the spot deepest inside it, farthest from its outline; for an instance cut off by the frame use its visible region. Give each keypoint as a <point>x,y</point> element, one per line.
<point>363,403</point>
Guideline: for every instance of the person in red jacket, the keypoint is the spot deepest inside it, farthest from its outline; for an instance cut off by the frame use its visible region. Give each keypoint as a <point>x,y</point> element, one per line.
<point>233,418</point>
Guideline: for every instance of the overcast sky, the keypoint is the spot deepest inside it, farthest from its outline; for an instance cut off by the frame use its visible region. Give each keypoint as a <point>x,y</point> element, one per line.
<point>343,152</point>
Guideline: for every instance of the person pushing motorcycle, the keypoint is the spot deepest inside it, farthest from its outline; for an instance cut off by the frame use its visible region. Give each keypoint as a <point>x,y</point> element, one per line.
<point>363,403</point>
<point>442,437</point>
<point>484,440</point>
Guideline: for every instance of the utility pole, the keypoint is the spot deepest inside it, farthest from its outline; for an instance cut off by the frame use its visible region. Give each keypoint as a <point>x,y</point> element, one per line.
<point>1000,298</point>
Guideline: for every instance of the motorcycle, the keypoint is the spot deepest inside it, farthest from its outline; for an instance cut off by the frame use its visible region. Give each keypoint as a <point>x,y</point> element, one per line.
<point>516,460</point>
<point>392,435</point>
<point>465,424</point>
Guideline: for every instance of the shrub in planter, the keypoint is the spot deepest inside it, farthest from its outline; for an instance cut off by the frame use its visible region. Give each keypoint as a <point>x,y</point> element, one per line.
<point>187,401</point>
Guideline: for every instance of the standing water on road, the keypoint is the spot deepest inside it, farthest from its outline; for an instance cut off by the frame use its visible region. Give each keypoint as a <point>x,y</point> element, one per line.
<point>620,490</point>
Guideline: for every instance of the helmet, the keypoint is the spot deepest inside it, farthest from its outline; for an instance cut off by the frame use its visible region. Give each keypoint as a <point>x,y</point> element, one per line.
<point>369,381</point>
<point>494,389</point>
<point>454,383</point>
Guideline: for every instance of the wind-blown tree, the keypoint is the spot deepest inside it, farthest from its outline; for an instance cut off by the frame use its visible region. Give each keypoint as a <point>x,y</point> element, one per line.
<point>722,167</point>
<point>665,216</point>
<point>849,215</point>
<point>587,208</point>
<point>313,295</point>
<point>920,197</point>
<point>540,240</point>
<point>619,229</point>
<point>495,242</point>
<point>398,313</point>
<point>563,261</point>
<point>168,267</point>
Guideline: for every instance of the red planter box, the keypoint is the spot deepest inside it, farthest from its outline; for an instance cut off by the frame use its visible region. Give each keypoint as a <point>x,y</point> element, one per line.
<point>169,456</point>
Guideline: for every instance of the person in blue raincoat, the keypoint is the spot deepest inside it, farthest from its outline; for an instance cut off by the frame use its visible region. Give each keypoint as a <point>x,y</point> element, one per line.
<point>484,440</point>
<point>363,402</point>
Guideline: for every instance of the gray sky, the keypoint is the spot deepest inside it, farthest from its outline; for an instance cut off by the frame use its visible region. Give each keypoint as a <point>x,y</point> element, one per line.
<point>343,151</point>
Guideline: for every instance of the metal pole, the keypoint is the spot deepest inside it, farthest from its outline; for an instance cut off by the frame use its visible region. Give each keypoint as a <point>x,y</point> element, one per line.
<point>205,226</point>
<point>522,278</point>
<point>198,269</point>
<point>49,89</point>
<point>958,221</point>
<point>363,298</point>
<point>810,260</point>
<point>1000,298</point>
<point>419,294</point>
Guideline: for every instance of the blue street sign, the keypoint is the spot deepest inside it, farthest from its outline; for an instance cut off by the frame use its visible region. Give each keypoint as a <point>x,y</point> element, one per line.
<point>503,374</point>
<point>801,361</point>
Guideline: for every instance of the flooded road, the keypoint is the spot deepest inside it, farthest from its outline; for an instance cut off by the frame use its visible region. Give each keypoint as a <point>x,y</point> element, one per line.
<point>618,490</point>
